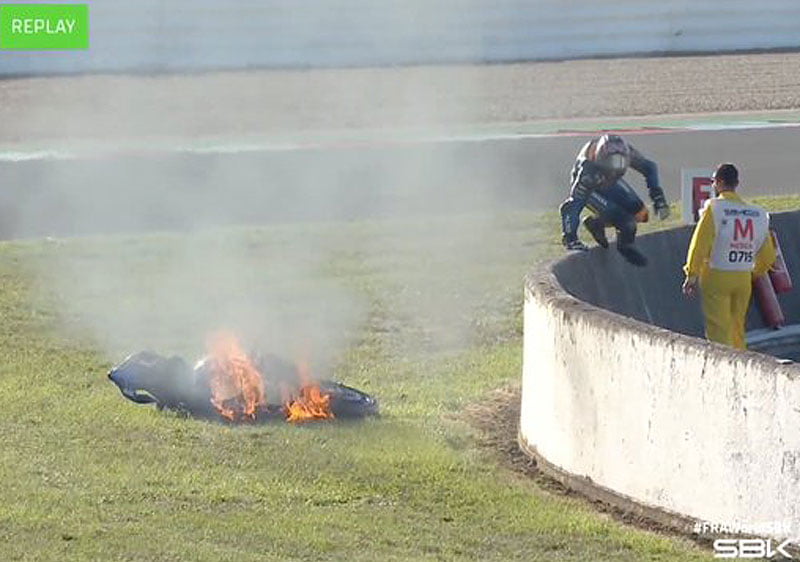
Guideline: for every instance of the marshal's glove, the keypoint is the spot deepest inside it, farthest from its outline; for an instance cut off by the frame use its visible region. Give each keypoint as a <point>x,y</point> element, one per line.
<point>660,204</point>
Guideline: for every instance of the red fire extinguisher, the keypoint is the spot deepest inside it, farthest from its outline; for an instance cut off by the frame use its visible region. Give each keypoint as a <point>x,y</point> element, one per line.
<point>779,274</point>
<point>771,312</point>
<point>767,286</point>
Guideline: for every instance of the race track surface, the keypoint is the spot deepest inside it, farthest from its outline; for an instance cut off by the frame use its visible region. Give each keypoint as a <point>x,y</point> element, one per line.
<point>163,190</point>
<point>336,180</point>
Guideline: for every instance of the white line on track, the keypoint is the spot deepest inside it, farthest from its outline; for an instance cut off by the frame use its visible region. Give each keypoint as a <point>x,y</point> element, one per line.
<point>347,140</point>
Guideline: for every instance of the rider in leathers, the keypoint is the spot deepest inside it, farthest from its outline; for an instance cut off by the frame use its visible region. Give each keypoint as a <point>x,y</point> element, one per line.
<point>597,184</point>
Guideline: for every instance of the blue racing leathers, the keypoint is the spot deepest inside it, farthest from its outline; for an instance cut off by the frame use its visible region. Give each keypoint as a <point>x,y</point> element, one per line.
<point>608,195</point>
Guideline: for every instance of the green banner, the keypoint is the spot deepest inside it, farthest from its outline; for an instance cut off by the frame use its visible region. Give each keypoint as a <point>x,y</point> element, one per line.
<point>44,26</point>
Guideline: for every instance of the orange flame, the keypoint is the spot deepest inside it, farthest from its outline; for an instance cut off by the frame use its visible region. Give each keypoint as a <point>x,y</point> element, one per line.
<point>237,389</point>
<point>312,403</point>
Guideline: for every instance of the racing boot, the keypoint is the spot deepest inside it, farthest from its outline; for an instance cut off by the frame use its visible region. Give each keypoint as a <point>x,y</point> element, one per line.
<point>626,236</point>
<point>574,244</point>
<point>632,254</point>
<point>597,228</point>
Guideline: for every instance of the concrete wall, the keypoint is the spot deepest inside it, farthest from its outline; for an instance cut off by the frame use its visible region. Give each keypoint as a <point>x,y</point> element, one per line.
<point>652,294</point>
<point>159,35</point>
<point>647,415</point>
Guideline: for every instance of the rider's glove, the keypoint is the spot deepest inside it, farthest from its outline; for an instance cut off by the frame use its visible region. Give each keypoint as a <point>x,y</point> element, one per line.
<point>660,204</point>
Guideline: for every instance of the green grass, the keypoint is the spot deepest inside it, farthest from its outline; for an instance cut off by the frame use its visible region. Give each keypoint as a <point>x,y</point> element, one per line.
<point>87,475</point>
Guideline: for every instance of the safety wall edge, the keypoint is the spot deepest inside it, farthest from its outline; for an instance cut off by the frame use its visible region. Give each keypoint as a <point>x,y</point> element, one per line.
<point>647,415</point>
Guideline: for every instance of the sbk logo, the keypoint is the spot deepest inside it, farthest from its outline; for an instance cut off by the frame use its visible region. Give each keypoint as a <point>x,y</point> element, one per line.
<point>751,548</point>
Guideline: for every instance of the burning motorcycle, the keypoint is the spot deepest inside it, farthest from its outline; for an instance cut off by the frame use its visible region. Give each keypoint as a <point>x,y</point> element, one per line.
<point>229,385</point>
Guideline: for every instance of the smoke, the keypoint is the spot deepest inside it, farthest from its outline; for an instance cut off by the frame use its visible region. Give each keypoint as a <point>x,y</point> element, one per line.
<point>167,291</point>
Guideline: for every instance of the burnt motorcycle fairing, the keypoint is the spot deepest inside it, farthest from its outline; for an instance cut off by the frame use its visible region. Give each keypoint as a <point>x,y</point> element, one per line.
<point>170,383</point>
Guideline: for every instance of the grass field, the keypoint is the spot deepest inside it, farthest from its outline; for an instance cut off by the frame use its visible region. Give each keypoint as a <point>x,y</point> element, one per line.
<point>89,476</point>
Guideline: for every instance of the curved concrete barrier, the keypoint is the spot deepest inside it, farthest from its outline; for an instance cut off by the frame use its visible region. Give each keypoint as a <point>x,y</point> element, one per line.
<point>624,400</point>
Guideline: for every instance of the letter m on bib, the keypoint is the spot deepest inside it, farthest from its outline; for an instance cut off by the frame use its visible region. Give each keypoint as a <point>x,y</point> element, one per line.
<point>743,229</point>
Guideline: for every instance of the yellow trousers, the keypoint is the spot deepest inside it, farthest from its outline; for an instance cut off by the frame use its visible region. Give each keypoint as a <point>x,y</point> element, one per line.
<point>726,297</point>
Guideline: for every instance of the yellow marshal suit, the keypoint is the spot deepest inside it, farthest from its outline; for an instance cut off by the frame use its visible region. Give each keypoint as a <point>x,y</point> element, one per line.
<point>725,294</point>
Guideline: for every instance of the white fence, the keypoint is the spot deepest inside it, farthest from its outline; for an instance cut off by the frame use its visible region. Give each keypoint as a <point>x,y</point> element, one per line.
<point>159,35</point>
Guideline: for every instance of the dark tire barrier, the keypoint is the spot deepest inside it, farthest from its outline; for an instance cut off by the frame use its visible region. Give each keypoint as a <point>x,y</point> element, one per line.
<point>623,400</point>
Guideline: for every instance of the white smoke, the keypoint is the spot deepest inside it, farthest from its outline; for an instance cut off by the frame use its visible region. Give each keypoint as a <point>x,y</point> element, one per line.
<point>168,292</point>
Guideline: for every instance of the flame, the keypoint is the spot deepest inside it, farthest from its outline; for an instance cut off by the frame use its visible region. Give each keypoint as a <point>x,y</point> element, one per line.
<point>238,393</point>
<point>237,388</point>
<point>312,404</point>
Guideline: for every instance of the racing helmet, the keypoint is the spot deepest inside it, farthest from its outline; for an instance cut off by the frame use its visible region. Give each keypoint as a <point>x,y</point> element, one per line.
<point>613,153</point>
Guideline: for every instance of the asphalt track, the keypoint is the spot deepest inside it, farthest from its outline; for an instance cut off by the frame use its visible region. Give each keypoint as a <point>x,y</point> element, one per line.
<point>162,190</point>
